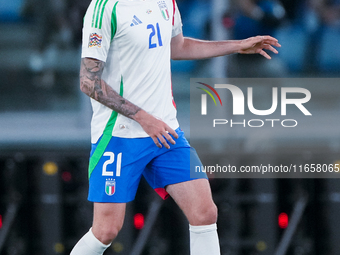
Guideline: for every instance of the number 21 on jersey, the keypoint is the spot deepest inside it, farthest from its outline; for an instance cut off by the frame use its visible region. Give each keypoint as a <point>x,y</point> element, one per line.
<point>154,32</point>
<point>110,161</point>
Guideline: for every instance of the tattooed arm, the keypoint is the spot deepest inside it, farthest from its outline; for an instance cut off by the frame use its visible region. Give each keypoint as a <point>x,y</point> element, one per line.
<point>92,85</point>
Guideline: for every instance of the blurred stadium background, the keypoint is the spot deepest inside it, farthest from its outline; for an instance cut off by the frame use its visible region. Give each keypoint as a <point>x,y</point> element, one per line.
<point>45,136</point>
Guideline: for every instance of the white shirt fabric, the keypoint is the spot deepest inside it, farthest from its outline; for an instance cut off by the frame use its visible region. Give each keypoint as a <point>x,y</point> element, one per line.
<point>133,38</point>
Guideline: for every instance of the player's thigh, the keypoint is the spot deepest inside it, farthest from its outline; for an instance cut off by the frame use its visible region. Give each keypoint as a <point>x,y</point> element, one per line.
<point>108,219</point>
<point>172,166</point>
<point>195,199</point>
<point>116,171</point>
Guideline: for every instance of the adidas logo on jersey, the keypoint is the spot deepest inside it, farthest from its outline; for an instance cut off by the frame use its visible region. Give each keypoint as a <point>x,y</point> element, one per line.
<point>135,21</point>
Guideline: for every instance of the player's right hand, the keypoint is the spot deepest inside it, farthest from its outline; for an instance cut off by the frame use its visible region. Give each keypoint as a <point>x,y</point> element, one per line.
<point>257,44</point>
<point>158,130</point>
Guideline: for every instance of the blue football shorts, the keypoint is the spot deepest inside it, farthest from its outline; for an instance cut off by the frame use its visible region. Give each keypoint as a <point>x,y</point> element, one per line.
<point>116,176</point>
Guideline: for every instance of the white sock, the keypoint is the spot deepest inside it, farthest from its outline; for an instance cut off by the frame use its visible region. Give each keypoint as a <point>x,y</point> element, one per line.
<point>204,240</point>
<point>89,245</point>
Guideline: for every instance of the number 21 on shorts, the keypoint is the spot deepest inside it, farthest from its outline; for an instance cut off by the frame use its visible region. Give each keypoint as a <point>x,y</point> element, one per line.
<point>110,161</point>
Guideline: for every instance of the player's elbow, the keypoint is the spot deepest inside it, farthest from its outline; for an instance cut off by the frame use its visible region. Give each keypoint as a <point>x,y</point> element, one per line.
<point>175,57</point>
<point>182,53</point>
<point>175,53</point>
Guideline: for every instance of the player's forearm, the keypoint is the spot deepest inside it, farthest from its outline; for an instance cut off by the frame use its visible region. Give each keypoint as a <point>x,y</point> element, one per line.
<point>93,86</point>
<point>200,49</point>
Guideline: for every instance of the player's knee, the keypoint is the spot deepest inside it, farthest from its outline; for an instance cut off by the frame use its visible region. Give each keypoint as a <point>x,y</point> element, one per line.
<point>206,215</point>
<point>210,215</point>
<point>108,234</point>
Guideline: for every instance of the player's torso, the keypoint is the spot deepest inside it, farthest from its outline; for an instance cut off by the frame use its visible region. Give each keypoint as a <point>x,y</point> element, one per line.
<point>138,62</point>
<point>144,25</point>
<point>140,49</point>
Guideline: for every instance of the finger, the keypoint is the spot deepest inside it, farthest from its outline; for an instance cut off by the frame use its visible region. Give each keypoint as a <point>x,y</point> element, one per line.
<point>163,141</point>
<point>258,39</point>
<point>171,131</point>
<point>271,48</point>
<point>169,138</point>
<point>155,140</point>
<point>263,53</point>
<point>269,38</point>
<point>274,43</point>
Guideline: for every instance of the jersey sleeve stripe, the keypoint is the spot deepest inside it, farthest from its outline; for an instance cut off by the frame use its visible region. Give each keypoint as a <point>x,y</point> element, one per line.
<point>102,14</point>
<point>107,135</point>
<point>98,12</point>
<point>94,12</point>
<point>114,21</point>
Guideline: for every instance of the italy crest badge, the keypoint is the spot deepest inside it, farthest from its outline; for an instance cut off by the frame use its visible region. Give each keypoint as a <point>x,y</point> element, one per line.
<point>164,9</point>
<point>110,187</point>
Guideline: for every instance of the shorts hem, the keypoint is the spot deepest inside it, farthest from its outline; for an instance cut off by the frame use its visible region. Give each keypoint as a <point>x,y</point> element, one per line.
<point>164,194</point>
<point>191,179</point>
<point>110,202</point>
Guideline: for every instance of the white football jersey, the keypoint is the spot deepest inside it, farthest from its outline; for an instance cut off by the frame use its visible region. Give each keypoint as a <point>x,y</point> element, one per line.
<point>133,38</point>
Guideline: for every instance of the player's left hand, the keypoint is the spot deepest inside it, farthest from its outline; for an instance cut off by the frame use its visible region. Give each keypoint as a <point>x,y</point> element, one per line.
<point>258,44</point>
<point>158,130</point>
